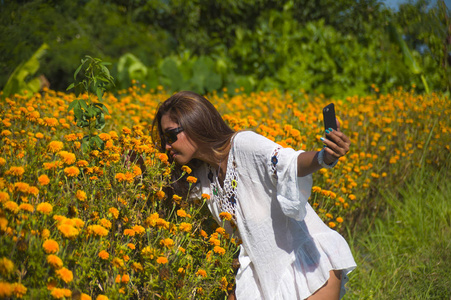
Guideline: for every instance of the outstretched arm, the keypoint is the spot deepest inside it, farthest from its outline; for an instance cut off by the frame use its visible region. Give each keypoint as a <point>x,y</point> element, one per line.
<point>337,146</point>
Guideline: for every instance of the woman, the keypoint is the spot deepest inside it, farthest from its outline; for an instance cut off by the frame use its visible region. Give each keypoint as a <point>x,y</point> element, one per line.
<point>287,251</point>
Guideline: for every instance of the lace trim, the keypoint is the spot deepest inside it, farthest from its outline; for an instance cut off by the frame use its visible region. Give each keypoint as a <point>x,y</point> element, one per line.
<point>274,161</point>
<point>225,196</point>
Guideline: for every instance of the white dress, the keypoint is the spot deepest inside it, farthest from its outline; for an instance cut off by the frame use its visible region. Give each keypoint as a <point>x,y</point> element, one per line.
<point>287,251</point>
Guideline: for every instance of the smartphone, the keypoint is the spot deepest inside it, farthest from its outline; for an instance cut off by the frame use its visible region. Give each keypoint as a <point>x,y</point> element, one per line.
<point>329,117</point>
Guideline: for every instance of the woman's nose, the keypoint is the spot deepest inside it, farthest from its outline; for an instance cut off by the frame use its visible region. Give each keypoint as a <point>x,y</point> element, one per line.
<point>168,146</point>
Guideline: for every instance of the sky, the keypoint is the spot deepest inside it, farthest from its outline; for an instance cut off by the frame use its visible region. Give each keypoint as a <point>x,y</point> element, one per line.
<point>395,3</point>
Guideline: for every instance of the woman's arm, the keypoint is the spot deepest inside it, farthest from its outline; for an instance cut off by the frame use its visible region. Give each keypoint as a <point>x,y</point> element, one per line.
<point>337,146</point>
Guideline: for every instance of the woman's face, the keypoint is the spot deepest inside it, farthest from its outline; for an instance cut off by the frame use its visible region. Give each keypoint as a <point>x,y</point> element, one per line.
<point>183,149</point>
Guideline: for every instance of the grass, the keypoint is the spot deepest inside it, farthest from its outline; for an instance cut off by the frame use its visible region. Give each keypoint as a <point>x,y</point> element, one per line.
<point>406,252</point>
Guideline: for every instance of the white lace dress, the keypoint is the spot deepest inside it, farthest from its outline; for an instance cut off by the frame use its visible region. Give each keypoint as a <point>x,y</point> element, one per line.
<point>287,251</point>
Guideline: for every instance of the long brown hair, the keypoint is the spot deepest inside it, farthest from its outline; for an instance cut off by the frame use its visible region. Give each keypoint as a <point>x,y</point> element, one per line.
<point>201,122</point>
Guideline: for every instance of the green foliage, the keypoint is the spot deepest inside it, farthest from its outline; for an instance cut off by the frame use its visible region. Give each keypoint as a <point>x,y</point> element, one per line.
<point>96,79</point>
<point>20,81</point>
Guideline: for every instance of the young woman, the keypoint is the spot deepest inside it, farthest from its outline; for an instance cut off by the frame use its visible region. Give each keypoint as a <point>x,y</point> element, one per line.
<point>287,251</point>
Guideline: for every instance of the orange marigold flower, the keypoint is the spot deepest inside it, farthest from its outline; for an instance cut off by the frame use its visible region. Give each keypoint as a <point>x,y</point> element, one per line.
<point>11,206</point>
<point>114,212</point>
<point>19,290</point>
<point>68,230</point>
<point>15,171</point>
<point>167,242</point>
<point>44,208</point>
<point>219,250</point>
<point>162,157</point>
<point>332,224</point>
<point>45,234</point>
<point>21,187</point>
<point>71,171</point>
<point>65,274</point>
<point>54,261</point>
<point>176,198</point>
<point>316,189</point>
<point>191,179</point>
<point>139,229</point>
<point>26,207</point>
<point>126,130</point>
<point>125,278</point>
<point>162,260</point>
<point>129,232</point>
<point>104,255</point>
<point>339,220</point>
<point>6,289</point>
<point>50,246</point>
<point>82,164</point>
<point>202,273</point>
<point>206,196</point>
<point>104,136</point>
<point>55,146</point>
<point>160,195</point>
<point>105,223</point>
<point>33,191</point>
<point>58,293</point>
<point>6,266</point>
<point>102,297</point>
<point>4,196</point>
<point>67,157</point>
<point>225,216</point>
<point>97,230</point>
<point>352,197</point>
<point>80,195</point>
<point>131,246</point>
<point>185,227</point>
<point>85,297</point>
<point>186,169</point>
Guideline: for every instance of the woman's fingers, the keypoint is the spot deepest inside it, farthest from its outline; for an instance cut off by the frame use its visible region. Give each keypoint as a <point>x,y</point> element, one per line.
<point>337,142</point>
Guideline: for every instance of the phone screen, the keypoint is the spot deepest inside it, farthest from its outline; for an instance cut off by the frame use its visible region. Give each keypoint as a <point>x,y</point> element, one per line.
<point>329,117</point>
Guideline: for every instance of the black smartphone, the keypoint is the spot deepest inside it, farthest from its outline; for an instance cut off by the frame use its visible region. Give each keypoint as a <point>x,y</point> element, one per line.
<point>329,117</point>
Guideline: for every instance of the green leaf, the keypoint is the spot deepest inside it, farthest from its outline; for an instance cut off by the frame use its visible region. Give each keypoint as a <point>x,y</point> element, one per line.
<point>83,104</point>
<point>72,105</point>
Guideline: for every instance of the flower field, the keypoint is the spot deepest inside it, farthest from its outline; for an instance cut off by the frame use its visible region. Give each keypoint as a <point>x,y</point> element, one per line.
<point>98,224</point>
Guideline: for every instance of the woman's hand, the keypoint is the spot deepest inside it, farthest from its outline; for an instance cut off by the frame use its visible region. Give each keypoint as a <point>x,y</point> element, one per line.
<point>337,144</point>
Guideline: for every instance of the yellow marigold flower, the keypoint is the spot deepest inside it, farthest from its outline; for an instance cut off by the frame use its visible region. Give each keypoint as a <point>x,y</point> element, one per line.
<point>105,223</point>
<point>2,161</point>
<point>55,146</point>
<point>181,270</point>
<point>129,232</point>
<point>137,171</point>
<point>185,227</point>
<point>176,198</point>
<point>131,246</point>
<point>68,231</point>
<point>85,297</point>
<point>316,189</point>
<point>102,297</point>
<point>44,208</point>
<point>160,195</point>
<point>70,137</point>
<point>6,266</point>
<point>219,250</point>
<point>33,191</point>
<point>139,229</point>
<point>167,242</point>
<point>19,290</point>
<point>51,122</point>
<point>11,206</point>
<point>21,187</point>
<point>191,179</point>
<point>183,250</point>
<point>137,267</point>
<point>225,216</point>
<point>54,261</point>
<point>50,246</point>
<point>3,224</point>
<point>26,207</point>
<point>186,169</point>
<point>206,196</point>
<point>4,197</point>
<point>114,212</point>
<point>6,289</point>
<point>16,171</point>
<point>214,241</point>
<point>71,171</point>
<point>97,230</point>
<point>80,195</point>
<point>202,273</point>
<point>104,255</point>
<point>339,220</point>
<point>6,133</point>
<point>162,260</point>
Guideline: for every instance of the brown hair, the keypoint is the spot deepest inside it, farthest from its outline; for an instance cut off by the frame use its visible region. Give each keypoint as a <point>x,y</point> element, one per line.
<point>199,119</point>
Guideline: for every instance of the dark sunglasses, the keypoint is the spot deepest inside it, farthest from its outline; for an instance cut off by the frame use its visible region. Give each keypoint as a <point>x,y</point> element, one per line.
<point>171,135</point>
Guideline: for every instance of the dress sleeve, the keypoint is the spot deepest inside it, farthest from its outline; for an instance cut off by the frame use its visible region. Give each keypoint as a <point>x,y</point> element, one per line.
<point>292,191</point>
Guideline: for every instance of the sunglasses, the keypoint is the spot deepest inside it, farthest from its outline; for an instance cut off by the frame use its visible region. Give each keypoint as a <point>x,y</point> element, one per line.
<point>171,135</point>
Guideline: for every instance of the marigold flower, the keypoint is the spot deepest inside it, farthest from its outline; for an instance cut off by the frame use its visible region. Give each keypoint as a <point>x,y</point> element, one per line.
<point>191,179</point>
<point>129,232</point>
<point>206,196</point>
<point>21,187</point>
<point>332,224</point>
<point>97,230</point>
<point>126,130</point>
<point>202,273</point>
<point>44,208</point>
<point>104,255</point>
<point>26,207</point>
<point>68,231</point>
<point>117,262</point>
<point>50,246</point>
<point>54,261</point>
<point>85,297</point>
<point>4,197</point>
<point>131,246</point>
<point>11,206</point>
<point>176,198</point>
<point>80,195</point>
<point>19,290</point>
<point>186,169</point>
<point>33,190</point>
<point>160,195</point>
<point>71,171</point>
<point>55,146</point>
<point>6,266</point>
<point>67,157</point>
<point>162,260</point>
<point>114,212</point>
<point>139,229</point>
<point>58,293</point>
<point>185,227</point>
<point>15,171</point>
<point>105,223</point>
<point>219,250</point>
<point>45,233</point>
<point>339,220</point>
<point>167,242</point>
<point>125,278</point>
<point>225,216</point>
<point>2,161</point>
<point>102,297</point>
<point>6,289</point>
<point>162,157</point>
<point>104,136</point>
